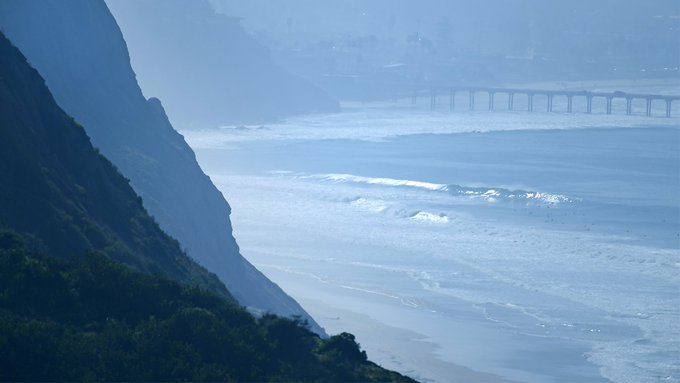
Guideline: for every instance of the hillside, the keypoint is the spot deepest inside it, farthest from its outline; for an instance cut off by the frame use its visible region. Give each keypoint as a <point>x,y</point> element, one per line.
<point>95,320</point>
<point>59,191</point>
<point>79,50</point>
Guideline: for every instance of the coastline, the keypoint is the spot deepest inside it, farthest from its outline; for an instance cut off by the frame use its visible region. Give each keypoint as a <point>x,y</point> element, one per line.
<point>395,348</point>
<point>427,346</point>
<point>463,288</point>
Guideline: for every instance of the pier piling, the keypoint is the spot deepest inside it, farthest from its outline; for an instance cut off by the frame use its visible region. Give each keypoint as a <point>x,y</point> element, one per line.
<point>570,103</point>
<point>550,95</point>
<point>452,100</point>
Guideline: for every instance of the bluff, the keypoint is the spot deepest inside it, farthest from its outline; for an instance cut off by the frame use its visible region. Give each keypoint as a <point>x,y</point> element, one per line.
<point>206,68</point>
<point>67,198</point>
<point>71,311</point>
<point>79,50</point>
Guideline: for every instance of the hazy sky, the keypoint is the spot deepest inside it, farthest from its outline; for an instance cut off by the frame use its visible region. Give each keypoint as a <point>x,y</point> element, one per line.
<point>488,24</point>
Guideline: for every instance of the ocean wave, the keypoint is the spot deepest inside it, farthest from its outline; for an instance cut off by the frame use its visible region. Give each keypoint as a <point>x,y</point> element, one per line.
<point>491,195</point>
<point>376,206</point>
<point>340,178</point>
<point>501,194</point>
<point>381,206</point>
<point>429,217</point>
<point>376,124</point>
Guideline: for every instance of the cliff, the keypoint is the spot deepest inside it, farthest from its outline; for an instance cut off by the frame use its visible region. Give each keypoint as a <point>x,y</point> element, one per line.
<point>79,50</point>
<point>67,198</point>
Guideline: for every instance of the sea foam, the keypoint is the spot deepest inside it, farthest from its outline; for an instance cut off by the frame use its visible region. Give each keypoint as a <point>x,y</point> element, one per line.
<point>380,181</point>
<point>488,194</point>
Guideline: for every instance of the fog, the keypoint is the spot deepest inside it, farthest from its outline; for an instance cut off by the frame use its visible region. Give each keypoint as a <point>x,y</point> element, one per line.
<point>481,191</point>
<point>206,68</point>
<point>340,190</point>
<point>387,46</point>
<point>292,57</point>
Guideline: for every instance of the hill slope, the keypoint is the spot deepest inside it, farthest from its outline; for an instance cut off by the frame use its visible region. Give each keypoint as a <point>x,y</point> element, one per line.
<point>94,320</point>
<point>79,50</point>
<point>57,189</point>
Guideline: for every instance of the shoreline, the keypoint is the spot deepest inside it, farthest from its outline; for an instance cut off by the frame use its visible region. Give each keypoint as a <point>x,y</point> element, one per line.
<point>388,346</point>
<point>455,347</point>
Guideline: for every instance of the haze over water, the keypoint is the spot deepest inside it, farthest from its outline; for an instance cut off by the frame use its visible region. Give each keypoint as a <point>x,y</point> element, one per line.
<point>530,247</point>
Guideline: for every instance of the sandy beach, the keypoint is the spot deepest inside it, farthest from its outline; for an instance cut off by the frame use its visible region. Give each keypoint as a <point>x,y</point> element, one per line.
<point>394,348</point>
<point>400,334</point>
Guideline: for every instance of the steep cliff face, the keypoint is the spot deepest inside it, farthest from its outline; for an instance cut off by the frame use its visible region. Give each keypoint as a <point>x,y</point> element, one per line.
<point>59,191</point>
<point>78,48</point>
<point>206,68</point>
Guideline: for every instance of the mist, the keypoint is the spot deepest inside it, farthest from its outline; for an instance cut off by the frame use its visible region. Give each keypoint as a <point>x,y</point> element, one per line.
<point>475,175</point>
<point>387,46</point>
<point>340,190</point>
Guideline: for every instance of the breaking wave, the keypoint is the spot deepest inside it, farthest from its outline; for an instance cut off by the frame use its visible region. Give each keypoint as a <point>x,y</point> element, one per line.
<point>501,194</point>
<point>379,181</point>
<point>491,195</point>
<point>429,217</point>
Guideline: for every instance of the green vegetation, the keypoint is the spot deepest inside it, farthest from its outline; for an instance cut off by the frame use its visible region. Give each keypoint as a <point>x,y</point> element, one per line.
<point>92,319</point>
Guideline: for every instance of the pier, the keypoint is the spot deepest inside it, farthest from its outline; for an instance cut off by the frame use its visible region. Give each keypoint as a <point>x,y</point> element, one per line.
<point>552,96</point>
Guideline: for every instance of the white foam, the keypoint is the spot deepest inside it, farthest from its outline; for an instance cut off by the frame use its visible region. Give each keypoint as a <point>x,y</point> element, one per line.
<point>429,217</point>
<point>491,195</point>
<point>380,181</point>
<point>369,123</point>
<point>500,194</point>
<point>376,206</point>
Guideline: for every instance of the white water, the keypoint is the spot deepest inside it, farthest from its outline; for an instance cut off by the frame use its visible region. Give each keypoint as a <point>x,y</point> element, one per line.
<point>538,247</point>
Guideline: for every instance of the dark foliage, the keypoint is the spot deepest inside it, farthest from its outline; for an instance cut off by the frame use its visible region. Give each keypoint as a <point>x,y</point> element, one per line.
<point>93,319</point>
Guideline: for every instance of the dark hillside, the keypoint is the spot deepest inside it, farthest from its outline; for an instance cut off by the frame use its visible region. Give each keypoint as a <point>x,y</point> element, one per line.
<point>57,189</point>
<point>79,50</point>
<point>95,320</point>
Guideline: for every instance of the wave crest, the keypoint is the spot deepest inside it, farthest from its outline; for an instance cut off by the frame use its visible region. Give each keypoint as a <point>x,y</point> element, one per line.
<point>379,181</point>
<point>491,195</point>
<point>429,217</point>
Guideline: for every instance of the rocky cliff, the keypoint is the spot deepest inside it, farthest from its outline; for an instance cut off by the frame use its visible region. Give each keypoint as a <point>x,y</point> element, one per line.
<point>64,196</point>
<point>78,48</point>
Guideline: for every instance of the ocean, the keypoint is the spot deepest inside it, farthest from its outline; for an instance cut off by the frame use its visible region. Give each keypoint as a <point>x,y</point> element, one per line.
<point>534,247</point>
